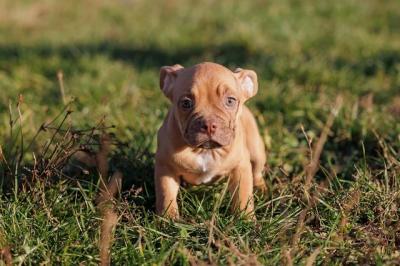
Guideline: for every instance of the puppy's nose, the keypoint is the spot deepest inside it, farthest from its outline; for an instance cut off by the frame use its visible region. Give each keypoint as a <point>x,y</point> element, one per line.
<point>209,127</point>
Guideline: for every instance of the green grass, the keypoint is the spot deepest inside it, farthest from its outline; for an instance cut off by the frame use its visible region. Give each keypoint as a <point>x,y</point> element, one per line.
<point>305,53</point>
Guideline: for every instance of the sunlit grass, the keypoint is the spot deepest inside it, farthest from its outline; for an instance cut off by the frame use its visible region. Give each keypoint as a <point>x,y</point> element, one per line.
<point>305,54</point>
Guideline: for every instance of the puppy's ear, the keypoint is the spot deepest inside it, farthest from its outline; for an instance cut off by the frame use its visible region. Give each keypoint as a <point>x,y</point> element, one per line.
<point>168,75</point>
<point>248,83</point>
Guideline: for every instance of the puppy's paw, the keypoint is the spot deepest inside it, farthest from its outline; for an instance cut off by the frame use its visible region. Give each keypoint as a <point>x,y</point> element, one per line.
<point>170,213</point>
<point>172,216</point>
<point>260,186</point>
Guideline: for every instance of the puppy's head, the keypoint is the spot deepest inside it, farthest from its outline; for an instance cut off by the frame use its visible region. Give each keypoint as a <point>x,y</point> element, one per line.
<point>207,99</point>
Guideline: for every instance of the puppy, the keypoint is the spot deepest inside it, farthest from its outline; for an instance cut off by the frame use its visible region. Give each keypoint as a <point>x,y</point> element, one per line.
<point>208,134</point>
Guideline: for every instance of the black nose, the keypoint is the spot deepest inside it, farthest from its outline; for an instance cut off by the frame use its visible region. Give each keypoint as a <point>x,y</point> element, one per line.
<point>209,127</point>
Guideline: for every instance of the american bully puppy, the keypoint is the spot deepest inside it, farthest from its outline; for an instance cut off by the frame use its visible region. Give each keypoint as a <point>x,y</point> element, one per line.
<point>207,134</point>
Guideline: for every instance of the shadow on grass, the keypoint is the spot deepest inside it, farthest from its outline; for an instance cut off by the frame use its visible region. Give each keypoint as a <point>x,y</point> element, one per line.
<point>142,57</point>
<point>230,54</point>
<point>138,182</point>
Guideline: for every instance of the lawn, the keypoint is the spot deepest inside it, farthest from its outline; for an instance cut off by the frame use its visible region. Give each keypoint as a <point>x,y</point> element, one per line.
<point>71,71</point>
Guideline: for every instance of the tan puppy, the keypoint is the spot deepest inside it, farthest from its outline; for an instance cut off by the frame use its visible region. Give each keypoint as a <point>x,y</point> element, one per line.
<point>207,134</point>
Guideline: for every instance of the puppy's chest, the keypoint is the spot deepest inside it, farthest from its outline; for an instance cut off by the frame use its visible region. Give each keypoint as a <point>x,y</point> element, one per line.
<point>204,162</point>
<point>201,168</point>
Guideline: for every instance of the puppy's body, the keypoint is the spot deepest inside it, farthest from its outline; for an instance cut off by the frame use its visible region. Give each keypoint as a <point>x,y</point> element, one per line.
<point>212,139</point>
<point>201,166</point>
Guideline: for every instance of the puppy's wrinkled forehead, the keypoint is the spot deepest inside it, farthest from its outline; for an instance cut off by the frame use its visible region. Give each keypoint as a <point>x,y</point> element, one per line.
<point>205,79</point>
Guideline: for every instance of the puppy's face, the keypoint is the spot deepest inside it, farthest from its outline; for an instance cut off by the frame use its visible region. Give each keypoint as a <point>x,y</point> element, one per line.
<point>207,99</point>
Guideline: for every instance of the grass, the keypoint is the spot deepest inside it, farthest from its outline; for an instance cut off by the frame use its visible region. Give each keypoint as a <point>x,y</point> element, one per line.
<point>109,55</point>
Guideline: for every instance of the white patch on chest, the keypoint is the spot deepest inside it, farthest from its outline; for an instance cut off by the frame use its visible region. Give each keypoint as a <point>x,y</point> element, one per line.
<point>205,164</point>
<point>204,161</point>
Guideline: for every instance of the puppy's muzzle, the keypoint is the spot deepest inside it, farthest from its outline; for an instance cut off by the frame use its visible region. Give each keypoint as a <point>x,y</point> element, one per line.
<point>208,133</point>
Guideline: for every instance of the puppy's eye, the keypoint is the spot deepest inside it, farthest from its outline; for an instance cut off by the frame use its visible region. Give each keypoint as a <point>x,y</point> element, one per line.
<point>230,101</point>
<point>186,103</point>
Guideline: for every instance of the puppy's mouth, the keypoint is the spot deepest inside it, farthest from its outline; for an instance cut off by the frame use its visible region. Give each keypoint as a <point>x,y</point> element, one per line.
<point>209,144</point>
<point>198,136</point>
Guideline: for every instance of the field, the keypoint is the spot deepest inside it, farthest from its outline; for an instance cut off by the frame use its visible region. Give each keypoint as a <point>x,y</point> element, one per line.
<point>72,70</point>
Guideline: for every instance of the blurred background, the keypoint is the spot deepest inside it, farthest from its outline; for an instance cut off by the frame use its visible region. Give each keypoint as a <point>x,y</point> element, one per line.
<point>106,55</point>
<point>109,53</point>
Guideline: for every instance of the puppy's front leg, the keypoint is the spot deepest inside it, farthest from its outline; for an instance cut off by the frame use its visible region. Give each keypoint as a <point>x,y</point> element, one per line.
<point>167,187</point>
<point>241,187</point>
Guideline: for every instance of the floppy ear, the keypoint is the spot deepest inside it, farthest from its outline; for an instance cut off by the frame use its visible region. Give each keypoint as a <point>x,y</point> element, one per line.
<point>168,75</point>
<point>248,83</point>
